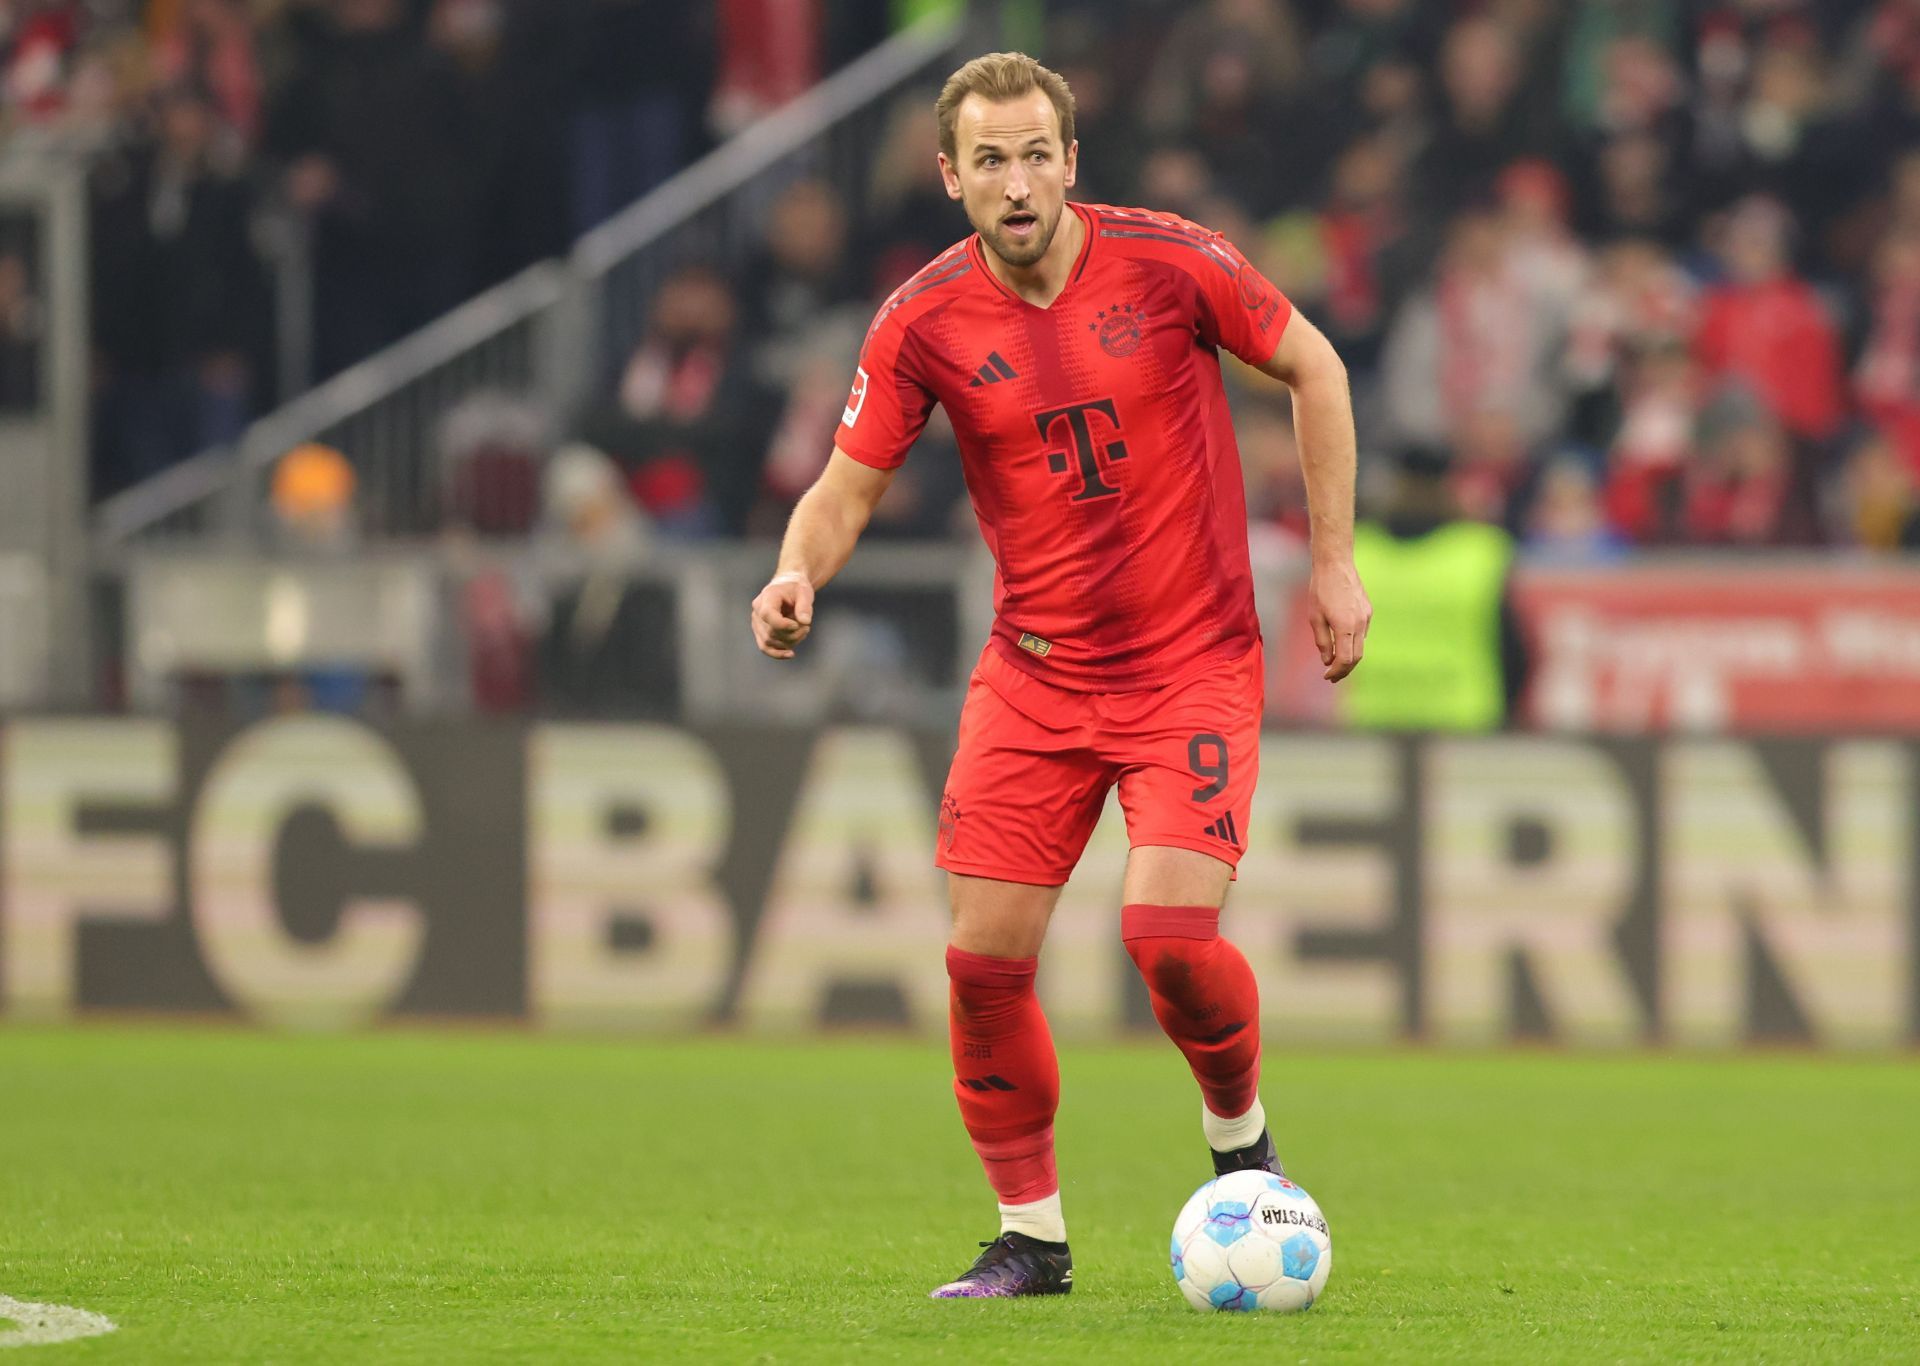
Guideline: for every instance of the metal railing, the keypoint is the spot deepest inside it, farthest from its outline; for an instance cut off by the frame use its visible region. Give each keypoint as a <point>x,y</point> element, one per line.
<point>45,408</point>
<point>897,643</point>
<point>26,636</point>
<point>383,412</point>
<point>550,338</point>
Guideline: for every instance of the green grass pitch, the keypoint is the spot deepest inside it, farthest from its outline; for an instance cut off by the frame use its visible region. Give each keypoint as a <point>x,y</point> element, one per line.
<point>451,1196</point>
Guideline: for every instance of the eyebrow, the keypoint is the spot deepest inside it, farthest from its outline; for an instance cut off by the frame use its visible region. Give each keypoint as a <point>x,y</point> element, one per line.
<point>1038,138</point>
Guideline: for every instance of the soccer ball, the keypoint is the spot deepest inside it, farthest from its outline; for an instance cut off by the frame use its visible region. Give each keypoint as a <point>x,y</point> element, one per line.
<point>1251,1240</point>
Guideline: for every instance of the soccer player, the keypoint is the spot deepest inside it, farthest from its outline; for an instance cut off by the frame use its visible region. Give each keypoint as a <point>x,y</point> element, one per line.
<point>1075,348</point>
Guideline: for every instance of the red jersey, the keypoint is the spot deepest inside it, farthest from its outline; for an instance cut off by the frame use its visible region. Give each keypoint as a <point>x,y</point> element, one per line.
<point>1095,439</point>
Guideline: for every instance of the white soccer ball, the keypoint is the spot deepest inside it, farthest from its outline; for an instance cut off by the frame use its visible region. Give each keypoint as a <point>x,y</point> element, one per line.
<point>1251,1240</point>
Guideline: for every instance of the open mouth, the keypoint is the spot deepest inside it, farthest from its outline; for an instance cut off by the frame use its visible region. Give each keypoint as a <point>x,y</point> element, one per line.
<point>1021,224</point>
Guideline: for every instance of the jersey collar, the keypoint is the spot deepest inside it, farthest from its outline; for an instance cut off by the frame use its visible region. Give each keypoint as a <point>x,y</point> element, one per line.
<point>979,251</point>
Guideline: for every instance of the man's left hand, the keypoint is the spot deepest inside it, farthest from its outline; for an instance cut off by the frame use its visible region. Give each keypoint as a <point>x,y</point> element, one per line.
<point>1338,609</point>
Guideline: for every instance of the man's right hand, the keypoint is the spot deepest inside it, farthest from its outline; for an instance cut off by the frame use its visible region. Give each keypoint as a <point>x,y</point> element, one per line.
<point>783,615</point>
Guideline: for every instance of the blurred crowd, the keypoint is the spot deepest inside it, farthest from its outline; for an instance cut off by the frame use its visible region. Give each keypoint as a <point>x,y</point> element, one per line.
<point>422,149</point>
<point>1643,272</point>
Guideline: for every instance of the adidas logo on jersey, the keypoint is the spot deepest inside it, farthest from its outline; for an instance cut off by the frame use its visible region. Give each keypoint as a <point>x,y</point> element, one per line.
<point>1224,829</point>
<point>993,371</point>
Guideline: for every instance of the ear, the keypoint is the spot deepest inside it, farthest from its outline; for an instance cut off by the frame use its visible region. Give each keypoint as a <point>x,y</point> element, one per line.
<point>1073,162</point>
<point>949,176</point>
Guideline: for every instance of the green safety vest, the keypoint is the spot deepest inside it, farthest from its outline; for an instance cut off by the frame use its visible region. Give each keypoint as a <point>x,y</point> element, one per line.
<point>1432,658</point>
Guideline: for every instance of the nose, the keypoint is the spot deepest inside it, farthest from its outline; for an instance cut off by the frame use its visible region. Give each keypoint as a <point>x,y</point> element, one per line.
<point>1017,187</point>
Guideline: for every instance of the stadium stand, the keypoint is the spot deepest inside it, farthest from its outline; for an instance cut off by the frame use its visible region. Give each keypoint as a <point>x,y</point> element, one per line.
<point>1659,290</point>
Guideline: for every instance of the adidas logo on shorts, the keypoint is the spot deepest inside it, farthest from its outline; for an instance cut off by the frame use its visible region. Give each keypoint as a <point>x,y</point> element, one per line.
<point>1224,829</point>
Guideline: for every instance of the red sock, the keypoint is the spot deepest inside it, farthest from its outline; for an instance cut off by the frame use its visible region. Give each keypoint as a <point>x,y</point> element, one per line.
<point>1005,1072</point>
<point>1203,995</point>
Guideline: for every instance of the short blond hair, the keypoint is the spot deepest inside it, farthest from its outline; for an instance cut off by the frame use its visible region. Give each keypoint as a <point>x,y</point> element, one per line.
<point>1002,76</point>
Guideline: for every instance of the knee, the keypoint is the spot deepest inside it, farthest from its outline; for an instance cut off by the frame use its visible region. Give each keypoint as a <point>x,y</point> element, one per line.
<point>1157,936</point>
<point>986,986</point>
<point>989,938</point>
<point>999,919</point>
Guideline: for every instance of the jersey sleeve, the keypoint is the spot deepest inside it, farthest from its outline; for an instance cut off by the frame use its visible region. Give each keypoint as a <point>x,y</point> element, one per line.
<point>1240,309</point>
<point>888,405</point>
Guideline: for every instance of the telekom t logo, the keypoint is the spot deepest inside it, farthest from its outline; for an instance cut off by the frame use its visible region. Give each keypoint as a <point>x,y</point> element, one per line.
<point>1088,451</point>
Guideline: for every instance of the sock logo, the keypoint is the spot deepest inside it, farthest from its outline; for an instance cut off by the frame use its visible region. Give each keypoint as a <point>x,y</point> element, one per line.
<point>1224,1033</point>
<point>978,1050</point>
<point>994,1083</point>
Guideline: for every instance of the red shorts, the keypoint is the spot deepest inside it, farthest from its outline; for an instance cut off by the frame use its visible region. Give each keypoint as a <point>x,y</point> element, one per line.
<point>1035,763</point>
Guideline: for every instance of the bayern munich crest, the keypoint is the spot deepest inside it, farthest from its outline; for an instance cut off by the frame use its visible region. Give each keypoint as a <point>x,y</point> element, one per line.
<point>1119,329</point>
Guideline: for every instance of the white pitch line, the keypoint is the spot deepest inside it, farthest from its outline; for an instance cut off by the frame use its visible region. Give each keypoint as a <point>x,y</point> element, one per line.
<point>36,1325</point>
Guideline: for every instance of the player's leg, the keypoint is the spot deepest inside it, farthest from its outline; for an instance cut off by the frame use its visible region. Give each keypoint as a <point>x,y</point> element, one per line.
<point>1006,1075</point>
<point>1203,992</point>
<point>1188,793</point>
<point>1007,1081</point>
<point>1022,798</point>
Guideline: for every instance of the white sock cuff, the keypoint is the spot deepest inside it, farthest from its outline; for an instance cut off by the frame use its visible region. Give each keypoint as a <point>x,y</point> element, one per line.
<point>1225,1135</point>
<point>1040,1219</point>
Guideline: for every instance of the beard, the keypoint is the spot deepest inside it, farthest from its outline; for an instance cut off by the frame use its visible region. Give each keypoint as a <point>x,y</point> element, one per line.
<point>1017,251</point>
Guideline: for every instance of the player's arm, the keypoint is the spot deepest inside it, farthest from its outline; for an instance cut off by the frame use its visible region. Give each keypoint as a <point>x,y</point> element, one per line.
<point>1337,605</point>
<point>886,411</point>
<point>825,526</point>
